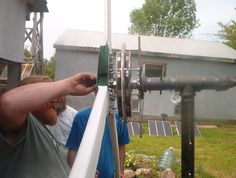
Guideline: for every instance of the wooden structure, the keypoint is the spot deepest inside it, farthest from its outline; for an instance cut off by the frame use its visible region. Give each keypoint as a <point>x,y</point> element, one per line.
<point>34,35</point>
<point>12,29</point>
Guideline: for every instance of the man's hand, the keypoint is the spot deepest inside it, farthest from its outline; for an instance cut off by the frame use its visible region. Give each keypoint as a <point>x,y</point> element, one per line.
<point>97,174</point>
<point>82,84</point>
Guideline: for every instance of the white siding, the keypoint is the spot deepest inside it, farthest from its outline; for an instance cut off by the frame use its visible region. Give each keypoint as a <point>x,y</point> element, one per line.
<point>69,63</point>
<point>12,27</point>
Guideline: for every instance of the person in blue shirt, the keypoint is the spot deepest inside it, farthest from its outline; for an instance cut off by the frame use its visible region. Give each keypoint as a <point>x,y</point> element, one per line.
<point>105,166</point>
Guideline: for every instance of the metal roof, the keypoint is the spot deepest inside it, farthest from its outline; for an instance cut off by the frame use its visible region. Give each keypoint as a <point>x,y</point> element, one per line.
<point>37,5</point>
<point>150,45</point>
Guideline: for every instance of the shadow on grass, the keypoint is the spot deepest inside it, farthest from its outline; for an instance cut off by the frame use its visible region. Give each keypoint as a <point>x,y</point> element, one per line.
<point>200,173</point>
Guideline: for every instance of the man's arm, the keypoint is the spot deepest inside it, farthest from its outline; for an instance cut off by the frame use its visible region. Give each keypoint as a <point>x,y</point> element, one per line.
<point>71,154</point>
<point>122,159</point>
<point>18,102</point>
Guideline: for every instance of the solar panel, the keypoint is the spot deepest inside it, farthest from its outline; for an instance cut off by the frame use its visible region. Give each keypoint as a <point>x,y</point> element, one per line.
<point>134,128</point>
<point>197,130</point>
<point>152,128</point>
<point>159,128</point>
<point>168,128</point>
<point>130,130</point>
<point>178,128</point>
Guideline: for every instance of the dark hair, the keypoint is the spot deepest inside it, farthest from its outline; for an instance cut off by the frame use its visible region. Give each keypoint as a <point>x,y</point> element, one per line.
<point>34,79</point>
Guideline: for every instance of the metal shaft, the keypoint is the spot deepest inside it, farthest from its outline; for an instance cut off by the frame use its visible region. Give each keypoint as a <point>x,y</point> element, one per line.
<point>187,86</point>
<point>178,83</point>
<point>114,139</point>
<point>187,132</point>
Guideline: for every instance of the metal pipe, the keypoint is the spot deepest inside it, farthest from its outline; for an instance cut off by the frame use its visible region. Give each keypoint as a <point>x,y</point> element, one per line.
<point>187,85</point>
<point>187,132</point>
<point>114,139</point>
<point>108,24</point>
<point>178,83</point>
<point>111,121</point>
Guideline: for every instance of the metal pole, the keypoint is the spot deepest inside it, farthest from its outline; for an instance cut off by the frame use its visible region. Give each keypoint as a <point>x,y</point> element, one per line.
<point>108,23</point>
<point>115,147</point>
<point>187,85</point>
<point>111,117</point>
<point>218,83</point>
<point>187,132</point>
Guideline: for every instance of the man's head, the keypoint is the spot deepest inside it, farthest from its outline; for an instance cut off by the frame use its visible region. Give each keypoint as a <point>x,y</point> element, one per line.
<point>61,105</point>
<point>46,113</point>
<point>34,79</point>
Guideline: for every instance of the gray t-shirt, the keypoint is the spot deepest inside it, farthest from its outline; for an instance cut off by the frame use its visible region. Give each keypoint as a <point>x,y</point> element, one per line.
<point>35,154</point>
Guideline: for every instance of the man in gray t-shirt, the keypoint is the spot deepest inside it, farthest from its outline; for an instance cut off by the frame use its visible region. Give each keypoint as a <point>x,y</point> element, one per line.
<point>27,149</point>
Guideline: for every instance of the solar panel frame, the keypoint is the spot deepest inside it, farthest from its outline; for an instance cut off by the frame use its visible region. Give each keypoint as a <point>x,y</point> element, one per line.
<point>152,128</point>
<point>168,129</point>
<point>178,127</point>
<point>196,129</point>
<point>130,130</point>
<point>159,128</point>
<point>134,128</point>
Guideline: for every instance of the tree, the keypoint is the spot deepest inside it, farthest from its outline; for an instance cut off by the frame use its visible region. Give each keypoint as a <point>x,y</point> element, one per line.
<point>27,53</point>
<point>49,67</point>
<point>169,18</point>
<point>228,33</point>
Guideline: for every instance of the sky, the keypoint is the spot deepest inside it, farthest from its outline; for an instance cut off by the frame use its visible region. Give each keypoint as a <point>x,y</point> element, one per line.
<point>90,15</point>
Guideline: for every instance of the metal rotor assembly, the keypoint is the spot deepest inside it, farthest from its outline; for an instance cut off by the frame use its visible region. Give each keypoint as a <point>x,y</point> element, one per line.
<point>123,77</point>
<point>116,74</point>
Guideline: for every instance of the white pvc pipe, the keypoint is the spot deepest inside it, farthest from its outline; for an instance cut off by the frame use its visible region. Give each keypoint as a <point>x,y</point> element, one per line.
<point>108,23</point>
<point>87,156</point>
<point>112,121</point>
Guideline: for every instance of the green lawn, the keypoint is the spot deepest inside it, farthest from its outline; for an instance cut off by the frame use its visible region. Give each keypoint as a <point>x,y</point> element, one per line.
<point>215,150</point>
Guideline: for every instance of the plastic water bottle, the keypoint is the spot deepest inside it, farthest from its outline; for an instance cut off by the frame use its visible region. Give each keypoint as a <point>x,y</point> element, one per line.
<point>167,159</point>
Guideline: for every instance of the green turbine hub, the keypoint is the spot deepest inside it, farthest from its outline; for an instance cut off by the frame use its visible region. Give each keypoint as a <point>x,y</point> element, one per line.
<point>102,73</point>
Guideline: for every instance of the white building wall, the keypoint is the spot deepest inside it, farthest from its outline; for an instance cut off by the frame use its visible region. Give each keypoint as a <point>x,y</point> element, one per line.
<point>208,104</point>
<point>71,62</point>
<point>12,26</point>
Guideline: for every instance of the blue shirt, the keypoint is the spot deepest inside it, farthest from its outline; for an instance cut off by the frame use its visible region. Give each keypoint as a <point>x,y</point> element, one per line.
<point>105,162</point>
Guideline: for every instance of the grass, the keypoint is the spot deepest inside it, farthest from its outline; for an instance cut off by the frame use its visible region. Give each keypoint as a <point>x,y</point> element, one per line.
<point>215,150</point>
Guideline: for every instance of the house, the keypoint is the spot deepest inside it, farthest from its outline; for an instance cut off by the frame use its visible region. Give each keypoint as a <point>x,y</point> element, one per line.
<point>77,51</point>
<point>13,15</point>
